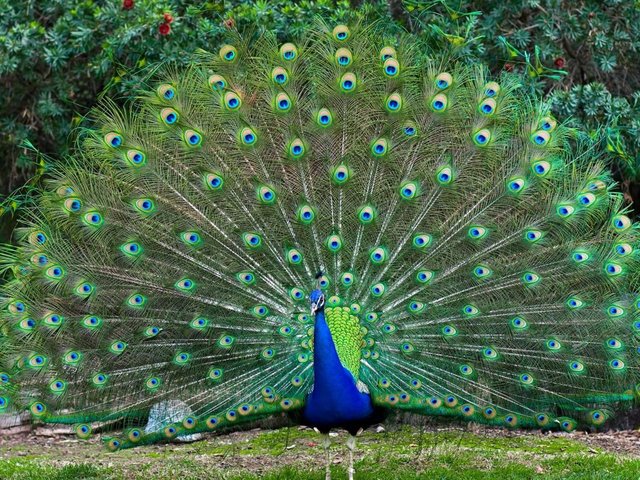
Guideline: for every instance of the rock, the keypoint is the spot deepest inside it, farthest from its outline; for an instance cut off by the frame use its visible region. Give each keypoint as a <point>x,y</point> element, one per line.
<point>380,429</point>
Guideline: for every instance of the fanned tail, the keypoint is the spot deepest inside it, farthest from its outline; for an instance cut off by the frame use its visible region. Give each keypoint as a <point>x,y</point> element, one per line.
<point>480,245</point>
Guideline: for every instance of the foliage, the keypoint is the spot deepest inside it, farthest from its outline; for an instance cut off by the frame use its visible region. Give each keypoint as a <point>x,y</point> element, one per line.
<point>586,55</point>
<point>56,57</point>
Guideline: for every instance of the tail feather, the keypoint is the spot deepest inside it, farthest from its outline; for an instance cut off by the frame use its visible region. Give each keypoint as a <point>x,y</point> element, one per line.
<point>480,243</point>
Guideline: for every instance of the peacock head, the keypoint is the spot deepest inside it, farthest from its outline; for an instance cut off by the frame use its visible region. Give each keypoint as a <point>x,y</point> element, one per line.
<point>317,301</point>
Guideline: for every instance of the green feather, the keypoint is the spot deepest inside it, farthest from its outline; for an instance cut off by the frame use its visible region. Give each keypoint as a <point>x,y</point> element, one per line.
<point>488,263</point>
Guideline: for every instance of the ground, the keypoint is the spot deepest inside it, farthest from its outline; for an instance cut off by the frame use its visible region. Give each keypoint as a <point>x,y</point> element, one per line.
<point>431,452</point>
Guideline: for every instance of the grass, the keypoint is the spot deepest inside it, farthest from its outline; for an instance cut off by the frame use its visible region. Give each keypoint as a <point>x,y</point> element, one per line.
<point>406,453</point>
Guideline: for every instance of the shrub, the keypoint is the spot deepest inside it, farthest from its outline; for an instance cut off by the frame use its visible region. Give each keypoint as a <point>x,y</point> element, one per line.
<point>57,57</point>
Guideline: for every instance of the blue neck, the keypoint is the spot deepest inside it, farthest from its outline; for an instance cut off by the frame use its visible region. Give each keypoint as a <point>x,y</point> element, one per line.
<point>327,368</point>
<point>335,401</point>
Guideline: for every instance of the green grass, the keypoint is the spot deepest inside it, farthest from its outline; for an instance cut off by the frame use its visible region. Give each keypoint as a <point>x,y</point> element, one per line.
<point>405,453</point>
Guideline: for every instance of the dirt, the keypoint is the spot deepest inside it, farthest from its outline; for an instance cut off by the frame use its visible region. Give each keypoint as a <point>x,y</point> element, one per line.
<point>222,451</point>
<point>621,441</point>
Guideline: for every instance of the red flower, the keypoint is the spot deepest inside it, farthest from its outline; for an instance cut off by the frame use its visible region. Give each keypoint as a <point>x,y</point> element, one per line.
<point>127,4</point>
<point>168,18</point>
<point>229,23</point>
<point>164,29</point>
<point>559,62</point>
<point>508,67</point>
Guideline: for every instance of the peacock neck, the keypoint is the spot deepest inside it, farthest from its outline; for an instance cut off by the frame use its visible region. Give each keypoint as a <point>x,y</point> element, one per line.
<point>327,367</point>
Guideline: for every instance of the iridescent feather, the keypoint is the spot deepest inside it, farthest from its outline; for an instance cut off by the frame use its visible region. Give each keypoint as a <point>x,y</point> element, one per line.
<point>476,261</point>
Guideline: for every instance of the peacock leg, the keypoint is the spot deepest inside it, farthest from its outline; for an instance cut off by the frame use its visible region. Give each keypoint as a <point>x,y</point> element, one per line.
<point>326,442</point>
<point>351,445</point>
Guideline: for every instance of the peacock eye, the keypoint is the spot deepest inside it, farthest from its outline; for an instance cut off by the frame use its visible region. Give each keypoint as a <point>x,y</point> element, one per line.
<point>280,76</point>
<point>343,57</point>
<point>166,91</point>
<point>282,102</point>
<point>341,33</point>
<point>113,139</point>
<point>487,107</point>
<point>232,101</point>
<point>288,52</point>
<point>409,190</point>
<point>541,168</point>
<point>348,82</point>
<point>394,103</point>
<point>491,89</point>
<point>443,81</point>
<point>135,158</point>
<point>228,53</point>
<point>391,67</point>
<point>387,53</point>
<point>476,232</point>
<point>248,136</point>
<point>169,116</point>
<point>380,147</point>
<point>540,138</point>
<point>214,181</point>
<point>439,102</point>
<point>192,138</point>
<point>217,82</point>
<point>482,137</point>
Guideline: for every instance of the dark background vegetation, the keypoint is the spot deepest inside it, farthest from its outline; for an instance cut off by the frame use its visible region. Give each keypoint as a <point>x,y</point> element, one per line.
<point>58,56</point>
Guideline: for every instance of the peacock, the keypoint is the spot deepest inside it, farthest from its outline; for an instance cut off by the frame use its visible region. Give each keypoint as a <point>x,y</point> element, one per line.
<point>333,229</point>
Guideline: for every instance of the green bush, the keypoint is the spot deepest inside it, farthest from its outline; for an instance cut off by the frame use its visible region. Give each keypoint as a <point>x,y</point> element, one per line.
<point>56,57</point>
<point>584,55</point>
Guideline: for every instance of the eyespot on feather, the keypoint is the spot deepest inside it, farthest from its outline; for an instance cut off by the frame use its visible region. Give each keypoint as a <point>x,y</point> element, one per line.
<point>166,91</point>
<point>228,53</point>
<point>387,53</point>
<point>343,57</point>
<point>391,67</point>
<point>288,52</point>
<point>280,76</point>
<point>341,33</point>
<point>443,81</point>
<point>217,82</point>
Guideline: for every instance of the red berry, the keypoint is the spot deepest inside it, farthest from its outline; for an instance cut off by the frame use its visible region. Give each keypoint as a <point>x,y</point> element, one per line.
<point>168,18</point>
<point>559,62</point>
<point>508,67</point>
<point>164,29</point>
<point>127,4</point>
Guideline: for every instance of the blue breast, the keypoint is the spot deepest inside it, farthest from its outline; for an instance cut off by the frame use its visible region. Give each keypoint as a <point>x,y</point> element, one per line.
<point>335,401</point>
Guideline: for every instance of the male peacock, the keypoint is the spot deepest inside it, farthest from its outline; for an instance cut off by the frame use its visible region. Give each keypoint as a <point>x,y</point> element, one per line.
<point>463,254</point>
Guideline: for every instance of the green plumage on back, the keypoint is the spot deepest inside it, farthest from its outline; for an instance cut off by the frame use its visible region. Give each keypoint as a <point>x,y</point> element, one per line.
<point>486,262</point>
<point>347,336</point>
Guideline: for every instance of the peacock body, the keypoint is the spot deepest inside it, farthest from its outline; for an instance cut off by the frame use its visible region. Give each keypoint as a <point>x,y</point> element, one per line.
<point>464,255</point>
